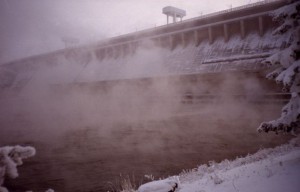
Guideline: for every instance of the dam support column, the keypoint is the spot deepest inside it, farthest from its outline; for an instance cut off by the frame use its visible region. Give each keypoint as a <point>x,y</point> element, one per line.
<point>183,40</point>
<point>114,52</point>
<point>130,49</point>
<point>123,51</point>
<point>174,18</point>
<point>210,35</point>
<point>103,53</point>
<point>196,38</point>
<point>159,42</point>
<point>171,42</point>
<point>131,45</point>
<point>226,36</point>
<point>242,28</point>
<point>260,25</point>
<point>120,51</point>
<point>137,45</point>
<point>106,53</point>
<point>133,48</point>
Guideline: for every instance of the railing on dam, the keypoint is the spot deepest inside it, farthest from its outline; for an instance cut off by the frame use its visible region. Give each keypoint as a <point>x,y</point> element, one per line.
<point>252,18</point>
<point>227,11</point>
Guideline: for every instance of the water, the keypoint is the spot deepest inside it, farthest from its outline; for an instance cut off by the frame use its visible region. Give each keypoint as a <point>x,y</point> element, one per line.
<point>92,157</point>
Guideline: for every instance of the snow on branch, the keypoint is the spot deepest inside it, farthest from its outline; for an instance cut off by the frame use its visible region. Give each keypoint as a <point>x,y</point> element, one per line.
<point>287,76</point>
<point>286,11</point>
<point>288,16</point>
<point>10,158</point>
<point>284,58</point>
<point>274,74</point>
<point>289,120</point>
<point>287,61</point>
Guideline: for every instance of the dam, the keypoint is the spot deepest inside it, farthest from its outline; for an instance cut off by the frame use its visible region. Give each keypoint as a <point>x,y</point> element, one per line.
<point>152,102</point>
<point>210,43</point>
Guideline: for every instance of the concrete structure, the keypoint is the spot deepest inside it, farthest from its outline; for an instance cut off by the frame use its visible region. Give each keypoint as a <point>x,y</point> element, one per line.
<point>253,18</point>
<point>235,39</point>
<point>173,12</point>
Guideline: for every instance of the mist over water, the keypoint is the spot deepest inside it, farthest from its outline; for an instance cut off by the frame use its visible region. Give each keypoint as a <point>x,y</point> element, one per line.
<point>87,133</point>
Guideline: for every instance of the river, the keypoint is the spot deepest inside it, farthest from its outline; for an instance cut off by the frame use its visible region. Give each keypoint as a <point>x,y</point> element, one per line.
<point>98,156</point>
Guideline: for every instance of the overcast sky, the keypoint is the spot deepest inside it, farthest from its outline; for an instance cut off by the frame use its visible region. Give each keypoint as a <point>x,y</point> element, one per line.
<point>29,27</point>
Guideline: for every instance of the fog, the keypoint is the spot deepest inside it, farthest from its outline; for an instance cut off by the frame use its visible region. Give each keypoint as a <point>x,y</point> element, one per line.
<point>31,27</point>
<point>88,132</point>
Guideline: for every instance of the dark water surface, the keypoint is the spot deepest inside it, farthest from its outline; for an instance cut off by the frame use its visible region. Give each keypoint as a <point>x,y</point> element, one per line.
<point>92,157</point>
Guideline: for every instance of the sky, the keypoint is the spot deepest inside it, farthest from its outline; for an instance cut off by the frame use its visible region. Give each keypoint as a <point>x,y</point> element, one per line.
<point>30,27</point>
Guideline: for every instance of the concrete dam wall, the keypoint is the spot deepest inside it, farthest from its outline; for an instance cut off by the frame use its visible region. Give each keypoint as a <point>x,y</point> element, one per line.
<point>227,41</point>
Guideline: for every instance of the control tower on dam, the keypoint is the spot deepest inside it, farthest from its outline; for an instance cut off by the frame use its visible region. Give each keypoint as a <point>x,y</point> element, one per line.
<point>230,41</point>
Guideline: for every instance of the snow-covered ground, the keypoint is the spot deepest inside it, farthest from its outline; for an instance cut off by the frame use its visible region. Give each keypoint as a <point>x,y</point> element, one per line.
<point>268,170</point>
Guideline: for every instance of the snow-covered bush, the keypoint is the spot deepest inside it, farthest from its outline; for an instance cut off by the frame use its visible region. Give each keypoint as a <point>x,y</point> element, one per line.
<point>10,158</point>
<point>287,67</point>
<point>169,185</point>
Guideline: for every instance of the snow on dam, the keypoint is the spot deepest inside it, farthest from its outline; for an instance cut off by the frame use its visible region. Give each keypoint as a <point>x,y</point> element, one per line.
<point>124,105</point>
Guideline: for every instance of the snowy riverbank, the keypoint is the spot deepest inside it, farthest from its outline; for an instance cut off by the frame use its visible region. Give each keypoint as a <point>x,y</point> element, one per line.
<point>275,170</point>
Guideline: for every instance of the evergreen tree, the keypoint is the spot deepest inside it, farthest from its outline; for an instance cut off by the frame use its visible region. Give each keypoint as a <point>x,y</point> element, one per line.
<point>287,67</point>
